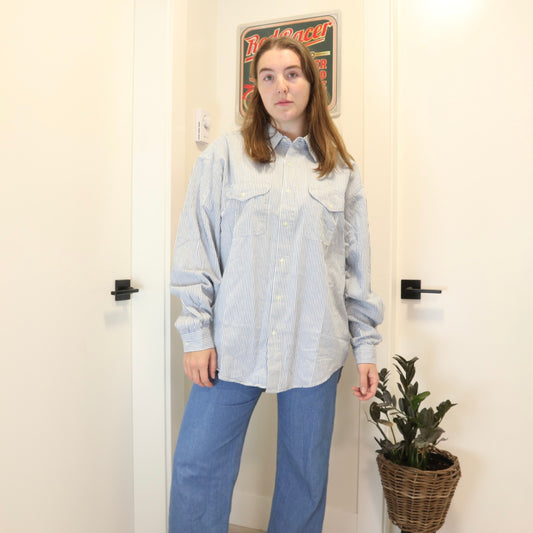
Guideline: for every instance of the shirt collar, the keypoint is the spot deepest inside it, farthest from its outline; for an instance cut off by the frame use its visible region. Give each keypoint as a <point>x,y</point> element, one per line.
<point>276,137</point>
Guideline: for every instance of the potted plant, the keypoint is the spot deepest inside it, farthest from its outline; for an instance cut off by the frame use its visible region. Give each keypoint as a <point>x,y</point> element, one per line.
<point>418,479</point>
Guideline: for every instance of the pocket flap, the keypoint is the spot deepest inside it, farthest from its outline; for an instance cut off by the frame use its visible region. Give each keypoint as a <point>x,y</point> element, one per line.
<point>245,191</point>
<point>331,199</point>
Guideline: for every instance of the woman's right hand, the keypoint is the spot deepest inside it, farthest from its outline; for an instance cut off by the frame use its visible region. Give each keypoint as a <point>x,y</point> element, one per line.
<point>201,366</point>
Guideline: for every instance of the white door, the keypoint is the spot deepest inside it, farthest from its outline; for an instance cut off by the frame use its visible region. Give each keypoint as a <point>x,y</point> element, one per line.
<point>69,387</point>
<point>465,225</point>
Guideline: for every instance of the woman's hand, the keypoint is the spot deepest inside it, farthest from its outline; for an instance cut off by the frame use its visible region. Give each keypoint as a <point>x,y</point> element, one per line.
<point>201,366</point>
<point>369,379</point>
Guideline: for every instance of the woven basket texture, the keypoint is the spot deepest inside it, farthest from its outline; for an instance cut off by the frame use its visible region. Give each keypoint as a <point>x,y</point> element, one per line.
<point>418,500</point>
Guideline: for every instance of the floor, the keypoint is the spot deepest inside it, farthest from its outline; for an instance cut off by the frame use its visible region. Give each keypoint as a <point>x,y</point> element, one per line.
<point>240,529</point>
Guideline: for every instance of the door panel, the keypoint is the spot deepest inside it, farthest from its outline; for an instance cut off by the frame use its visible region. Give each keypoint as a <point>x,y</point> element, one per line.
<point>65,394</point>
<point>464,226</point>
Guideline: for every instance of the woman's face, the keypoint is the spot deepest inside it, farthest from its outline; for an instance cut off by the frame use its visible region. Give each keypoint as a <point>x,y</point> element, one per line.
<point>284,90</point>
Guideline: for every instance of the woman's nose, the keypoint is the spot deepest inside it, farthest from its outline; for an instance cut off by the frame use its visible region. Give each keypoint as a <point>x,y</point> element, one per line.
<point>281,85</point>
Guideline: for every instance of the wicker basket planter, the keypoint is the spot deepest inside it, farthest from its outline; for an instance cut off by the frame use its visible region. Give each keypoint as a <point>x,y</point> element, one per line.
<point>418,500</point>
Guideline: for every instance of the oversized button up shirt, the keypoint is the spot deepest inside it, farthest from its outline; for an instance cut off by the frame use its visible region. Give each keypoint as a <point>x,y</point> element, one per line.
<point>272,266</point>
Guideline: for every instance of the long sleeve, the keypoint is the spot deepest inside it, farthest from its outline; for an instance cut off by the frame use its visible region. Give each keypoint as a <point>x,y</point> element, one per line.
<point>196,272</point>
<point>364,308</point>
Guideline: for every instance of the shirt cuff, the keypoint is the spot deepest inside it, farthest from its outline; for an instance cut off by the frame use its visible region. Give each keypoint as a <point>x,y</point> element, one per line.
<point>197,340</point>
<point>365,353</point>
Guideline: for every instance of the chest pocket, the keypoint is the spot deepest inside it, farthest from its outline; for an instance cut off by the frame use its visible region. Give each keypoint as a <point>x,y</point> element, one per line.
<point>327,212</point>
<point>247,208</point>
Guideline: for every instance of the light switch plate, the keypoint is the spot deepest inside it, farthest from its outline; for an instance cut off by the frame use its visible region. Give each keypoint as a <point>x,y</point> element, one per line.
<point>202,125</point>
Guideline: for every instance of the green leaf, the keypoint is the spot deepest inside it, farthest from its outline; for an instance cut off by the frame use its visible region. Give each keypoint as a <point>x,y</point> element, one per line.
<point>418,399</point>
<point>443,408</point>
<point>410,372</point>
<point>428,437</point>
<point>403,379</point>
<point>426,418</point>
<point>375,411</point>
<point>387,398</point>
<point>411,390</point>
<point>403,405</point>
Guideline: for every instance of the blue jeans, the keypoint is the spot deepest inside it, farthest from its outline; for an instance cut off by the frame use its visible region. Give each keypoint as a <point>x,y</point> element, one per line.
<point>208,454</point>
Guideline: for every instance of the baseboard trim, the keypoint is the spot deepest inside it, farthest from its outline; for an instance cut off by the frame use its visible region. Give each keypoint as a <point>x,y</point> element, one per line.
<point>253,511</point>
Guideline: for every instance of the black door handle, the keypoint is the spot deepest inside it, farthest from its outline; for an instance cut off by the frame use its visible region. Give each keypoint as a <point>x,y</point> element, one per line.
<point>123,290</point>
<point>410,289</point>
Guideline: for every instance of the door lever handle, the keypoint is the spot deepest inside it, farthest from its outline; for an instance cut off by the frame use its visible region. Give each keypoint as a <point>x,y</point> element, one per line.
<point>123,290</point>
<point>411,289</point>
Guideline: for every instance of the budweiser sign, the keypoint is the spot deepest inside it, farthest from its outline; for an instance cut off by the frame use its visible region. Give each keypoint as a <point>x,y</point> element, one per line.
<point>319,33</point>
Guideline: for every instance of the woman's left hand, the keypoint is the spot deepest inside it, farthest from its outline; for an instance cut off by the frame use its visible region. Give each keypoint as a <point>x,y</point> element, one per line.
<point>368,379</point>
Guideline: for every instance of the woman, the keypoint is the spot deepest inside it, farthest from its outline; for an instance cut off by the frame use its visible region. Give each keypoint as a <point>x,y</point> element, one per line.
<point>272,268</point>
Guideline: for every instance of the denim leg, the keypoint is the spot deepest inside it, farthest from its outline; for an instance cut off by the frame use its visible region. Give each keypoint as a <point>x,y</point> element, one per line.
<point>207,456</point>
<point>305,427</point>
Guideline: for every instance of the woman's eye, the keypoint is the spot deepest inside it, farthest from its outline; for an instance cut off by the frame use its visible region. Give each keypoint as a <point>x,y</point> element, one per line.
<point>268,77</point>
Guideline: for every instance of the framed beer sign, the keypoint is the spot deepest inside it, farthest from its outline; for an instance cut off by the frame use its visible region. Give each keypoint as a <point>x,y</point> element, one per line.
<point>320,33</point>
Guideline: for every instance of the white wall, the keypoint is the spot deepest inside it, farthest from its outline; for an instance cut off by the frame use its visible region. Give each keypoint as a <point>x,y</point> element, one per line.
<point>194,85</point>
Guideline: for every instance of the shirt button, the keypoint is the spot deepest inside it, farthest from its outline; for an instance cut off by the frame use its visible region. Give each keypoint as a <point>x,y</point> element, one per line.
<point>285,224</point>
<point>274,333</point>
<point>288,190</point>
<point>282,260</point>
<point>278,297</point>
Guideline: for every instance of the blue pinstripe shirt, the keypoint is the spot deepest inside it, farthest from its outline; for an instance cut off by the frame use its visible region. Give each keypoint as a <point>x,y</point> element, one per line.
<point>272,266</point>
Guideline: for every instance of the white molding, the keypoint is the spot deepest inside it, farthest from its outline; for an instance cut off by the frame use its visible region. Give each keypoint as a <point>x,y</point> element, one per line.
<point>150,259</point>
<point>250,510</point>
<point>253,511</point>
<point>379,172</point>
<point>339,521</point>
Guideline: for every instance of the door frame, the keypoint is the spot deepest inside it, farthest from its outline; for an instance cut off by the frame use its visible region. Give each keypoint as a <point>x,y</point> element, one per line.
<point>151,256</point>
<point>379,173</point>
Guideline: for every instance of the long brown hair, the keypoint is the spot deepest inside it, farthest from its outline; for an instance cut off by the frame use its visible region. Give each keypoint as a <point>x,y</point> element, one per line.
<point>324,138</point>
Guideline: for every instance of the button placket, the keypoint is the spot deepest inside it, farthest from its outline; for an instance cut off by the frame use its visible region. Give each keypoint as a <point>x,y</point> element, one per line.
<point>286,214</point>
